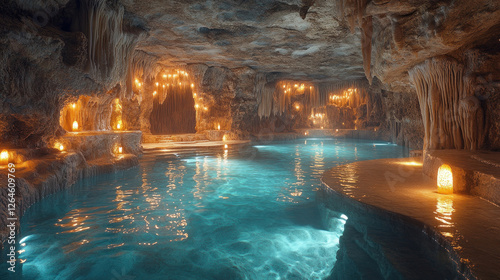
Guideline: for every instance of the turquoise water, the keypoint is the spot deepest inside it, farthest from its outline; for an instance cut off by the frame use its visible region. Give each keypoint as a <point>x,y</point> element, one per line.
<point>241,213</point>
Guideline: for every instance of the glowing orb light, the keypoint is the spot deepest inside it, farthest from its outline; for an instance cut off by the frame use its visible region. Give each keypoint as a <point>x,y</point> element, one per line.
<point>4,157</point>
<point>445,179</point>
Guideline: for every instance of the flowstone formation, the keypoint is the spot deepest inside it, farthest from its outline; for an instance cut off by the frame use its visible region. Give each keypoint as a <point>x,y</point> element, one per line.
<point>453,116</point>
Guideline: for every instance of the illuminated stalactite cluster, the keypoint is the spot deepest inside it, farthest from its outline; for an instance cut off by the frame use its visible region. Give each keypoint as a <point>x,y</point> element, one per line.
<point>325,105</point>
<point>453,117</point>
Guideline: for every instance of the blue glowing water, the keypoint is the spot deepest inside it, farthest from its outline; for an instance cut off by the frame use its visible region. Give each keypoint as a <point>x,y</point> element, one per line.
<point>245,213</point>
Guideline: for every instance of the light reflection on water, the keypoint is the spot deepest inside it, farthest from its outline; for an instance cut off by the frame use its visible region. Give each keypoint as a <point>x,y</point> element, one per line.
<point>224,214</point>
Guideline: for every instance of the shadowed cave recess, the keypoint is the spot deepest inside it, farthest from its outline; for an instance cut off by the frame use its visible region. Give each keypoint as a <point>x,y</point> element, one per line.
<point>85,83</point>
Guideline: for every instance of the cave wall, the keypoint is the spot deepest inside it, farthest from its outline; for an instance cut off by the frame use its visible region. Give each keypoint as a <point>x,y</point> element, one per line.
<point>51,54</point>
<point>396,115</point>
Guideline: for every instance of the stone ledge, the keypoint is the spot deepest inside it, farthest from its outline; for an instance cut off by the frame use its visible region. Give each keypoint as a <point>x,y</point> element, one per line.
<point>476,173</point>
<point>47,171</point>
<point>465,226</point>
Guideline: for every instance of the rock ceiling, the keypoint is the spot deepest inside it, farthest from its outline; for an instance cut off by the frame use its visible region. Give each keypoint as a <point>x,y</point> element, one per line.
<point>267,35</point>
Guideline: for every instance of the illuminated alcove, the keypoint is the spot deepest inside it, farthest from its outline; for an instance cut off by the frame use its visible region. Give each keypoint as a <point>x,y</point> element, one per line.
<point>93,113</point>
<point>174,106</point>
<point>324,105</point>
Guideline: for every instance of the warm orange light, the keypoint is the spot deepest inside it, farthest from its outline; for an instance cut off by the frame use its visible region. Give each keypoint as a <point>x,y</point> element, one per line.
<point>196,106</point>
<point>73,105</point>
<point>194,94</point>
<point>321,127</point>
<point>139,84</point>
<point>337,130</point>
<point>4,156</point>
<point>119,125</point>
<point>410,163</point>
<point>205,108</point>
<point>61,147</point>
<point>154,93</point>
<point>120,149</point>
<point>224,138</point>
<point>284,86</point>
<point>297,107</point>
<point>218,126</point>
<point>75,126</point>
<point>157,84</point>
<point>192,85</point>
<point>164,76</point>
<point>445,179</point>
<point>225,146</point>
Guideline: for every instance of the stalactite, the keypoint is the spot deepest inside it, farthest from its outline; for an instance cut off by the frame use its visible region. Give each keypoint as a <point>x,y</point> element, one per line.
<point>266,100</point>
<point>354,12</point>
<point>366,45</point>
<point>453,118</point>
<point>109,48</point>
<point>142,66</point>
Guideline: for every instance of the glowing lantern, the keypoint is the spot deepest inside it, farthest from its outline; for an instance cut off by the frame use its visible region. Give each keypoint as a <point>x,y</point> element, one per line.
<point>4,157</point>
<point>192,85</point>
<point>120,149</point>
<point>218,126</point>
<point>164,76</point>
<point>224,138</point>
<point>73,105</point>
<point>225,146</point>
<point>154,93</point>
<point>157,84</point>
<point>337,130</point>
<point>297,107</point>
<point>445,179</point>
<point>194,94</point>
<point>197,106</point>
<point>75,126</point>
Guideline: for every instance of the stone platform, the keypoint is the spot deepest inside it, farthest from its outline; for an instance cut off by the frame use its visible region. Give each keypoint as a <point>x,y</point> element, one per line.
<point>466,226</point>
<point>474,172</point>
<point>41,172</point>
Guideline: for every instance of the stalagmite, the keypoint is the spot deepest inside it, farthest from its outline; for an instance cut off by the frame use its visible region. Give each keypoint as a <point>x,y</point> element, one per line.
<point>453,118</point>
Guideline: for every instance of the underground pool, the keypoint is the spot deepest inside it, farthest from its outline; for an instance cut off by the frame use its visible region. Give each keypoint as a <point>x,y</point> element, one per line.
<point>243,213</point>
